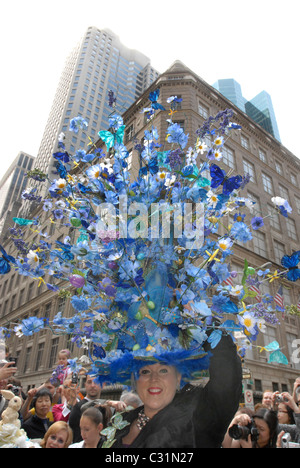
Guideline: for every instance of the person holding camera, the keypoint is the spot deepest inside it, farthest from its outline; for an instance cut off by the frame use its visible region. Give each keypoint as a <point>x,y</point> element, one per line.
<point>296,391</point>
<point>257,431</point>
<point>61,411</point>
<point>7,370</point>
<point>285,409</point>
<point>287,406</point>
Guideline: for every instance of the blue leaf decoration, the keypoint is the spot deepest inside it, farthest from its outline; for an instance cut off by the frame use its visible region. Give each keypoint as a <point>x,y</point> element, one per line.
<point>215,338</point>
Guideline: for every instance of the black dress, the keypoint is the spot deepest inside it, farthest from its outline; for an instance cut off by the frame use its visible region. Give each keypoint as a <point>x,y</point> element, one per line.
<point>198,417</point>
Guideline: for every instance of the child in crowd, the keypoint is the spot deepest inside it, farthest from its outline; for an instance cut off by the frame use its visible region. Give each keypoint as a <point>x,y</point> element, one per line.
<point>63,370</point>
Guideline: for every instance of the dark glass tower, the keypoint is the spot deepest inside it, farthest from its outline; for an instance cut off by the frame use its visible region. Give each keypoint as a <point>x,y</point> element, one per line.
<point>260,108</point>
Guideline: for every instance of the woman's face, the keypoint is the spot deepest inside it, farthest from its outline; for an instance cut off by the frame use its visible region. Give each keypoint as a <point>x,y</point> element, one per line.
<point>264,432</point>
<point>42,406</point>
<point>282,414</point>
<point>89,430</point>
<point>156,386</point>
<point>57,440</point>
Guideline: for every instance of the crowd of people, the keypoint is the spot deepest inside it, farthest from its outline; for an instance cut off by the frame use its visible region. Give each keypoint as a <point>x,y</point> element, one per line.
<point>274,423</point>
<point>59,414</point>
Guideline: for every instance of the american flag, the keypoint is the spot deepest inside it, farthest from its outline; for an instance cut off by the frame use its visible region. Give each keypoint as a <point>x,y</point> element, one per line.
<point>278,298</point>
<point>228,281</point>
<point>258,296</point>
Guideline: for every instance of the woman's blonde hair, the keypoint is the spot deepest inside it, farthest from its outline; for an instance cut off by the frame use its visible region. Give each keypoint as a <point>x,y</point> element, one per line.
<point>56,427</point>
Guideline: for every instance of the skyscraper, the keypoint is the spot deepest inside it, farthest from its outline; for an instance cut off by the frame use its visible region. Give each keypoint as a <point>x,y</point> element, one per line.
<point>260,108</point>
<point>12,185</point>
<point>99,63</point>
<point>232,90</point>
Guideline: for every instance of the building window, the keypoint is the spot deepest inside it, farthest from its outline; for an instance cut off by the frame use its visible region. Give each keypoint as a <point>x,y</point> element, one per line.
<point>297,200</point>
<point>286,297</point>
<point>278,168</point>
<point>283,192</point>
<point>13,302</point>
<point>203,111</point>
<point>291,227</point>
<point>30,291</point>
<point>228,157</point>
<point>177,105</point>
<point>259,242</point>
<point>129,133</point>
<point>274,218</point>
<point>53,352</point>
<point>278,251</point>
<point>39,358</point>
<point>294,179</point>
<point>267,184</point>
<point>27,359</point>
<point>258,385</point>
<point>249,169</point>
<point>245,142</point>
<point>262,155</point>
<point>22,297</point>
<point>257,207</point>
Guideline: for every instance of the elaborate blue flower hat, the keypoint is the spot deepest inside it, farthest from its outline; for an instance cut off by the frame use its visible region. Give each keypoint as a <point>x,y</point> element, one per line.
<point>148,275</point>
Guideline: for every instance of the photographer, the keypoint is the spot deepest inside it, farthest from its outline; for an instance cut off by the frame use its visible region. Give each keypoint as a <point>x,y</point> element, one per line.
<point>296,391</point>
<point>286,402</point>
<point>258,431</point>
<point>70,390</point>
<point>7,370</point>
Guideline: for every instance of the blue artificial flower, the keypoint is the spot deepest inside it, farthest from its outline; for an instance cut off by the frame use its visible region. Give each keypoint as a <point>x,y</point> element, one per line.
<point>47,205</point>
<point>111,197</point>
<point>80,155</point>
<point>32,325</point>
<point>58,214</point>
<point>175,134</point>
<point>241,232</point>
<point>80,303</point>
<point>257,222</point>
<point>78,123</point>
<point>74,365</point>
<point>121,151</point>
<point>115,121</point>
<point>201,308</point>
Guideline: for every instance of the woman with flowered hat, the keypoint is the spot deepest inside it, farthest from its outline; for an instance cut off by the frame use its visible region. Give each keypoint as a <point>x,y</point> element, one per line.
<point>192,417</point>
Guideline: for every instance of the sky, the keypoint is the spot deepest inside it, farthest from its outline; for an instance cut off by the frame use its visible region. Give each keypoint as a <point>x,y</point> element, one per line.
<point>256,43</point>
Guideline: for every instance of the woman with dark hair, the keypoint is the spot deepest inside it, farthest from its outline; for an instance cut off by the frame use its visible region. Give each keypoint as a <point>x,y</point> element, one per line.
<point>38,424</point>
<point>266,423</point>
<point>258,431</point>
<point>91,425</point>
<point>285,414</point>
<point>289,417</point>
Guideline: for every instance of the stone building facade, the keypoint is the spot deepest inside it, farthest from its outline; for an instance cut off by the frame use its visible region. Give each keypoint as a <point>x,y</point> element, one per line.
<point>274,171</point>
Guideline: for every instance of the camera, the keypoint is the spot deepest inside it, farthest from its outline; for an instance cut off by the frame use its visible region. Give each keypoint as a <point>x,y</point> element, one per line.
<point>286,441</point>
<point>15,390</point>
<point>74,378</point>
<point>281,399</point>
<point>242,432</point>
